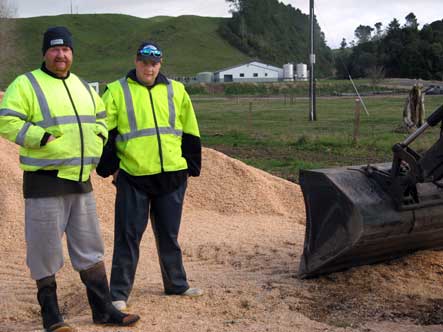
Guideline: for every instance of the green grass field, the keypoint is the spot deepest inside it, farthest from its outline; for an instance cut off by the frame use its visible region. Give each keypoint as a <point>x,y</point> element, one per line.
<point>277,136</point>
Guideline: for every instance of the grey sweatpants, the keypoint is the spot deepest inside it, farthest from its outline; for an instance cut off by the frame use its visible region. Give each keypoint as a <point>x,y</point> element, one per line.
<point>47,219</point>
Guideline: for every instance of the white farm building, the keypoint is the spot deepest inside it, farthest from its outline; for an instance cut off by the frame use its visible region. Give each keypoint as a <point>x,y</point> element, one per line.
<point>252,71</point>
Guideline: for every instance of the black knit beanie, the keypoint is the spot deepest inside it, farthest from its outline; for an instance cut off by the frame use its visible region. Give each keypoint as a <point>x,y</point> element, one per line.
<point>56,36</point>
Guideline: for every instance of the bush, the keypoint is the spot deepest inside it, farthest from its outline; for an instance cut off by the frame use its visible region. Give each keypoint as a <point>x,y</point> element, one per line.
<point>197,89</point>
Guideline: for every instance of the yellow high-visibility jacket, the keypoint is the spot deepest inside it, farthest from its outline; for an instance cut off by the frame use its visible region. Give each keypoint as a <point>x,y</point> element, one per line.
<point>151,123</point>
<point>37,103</point>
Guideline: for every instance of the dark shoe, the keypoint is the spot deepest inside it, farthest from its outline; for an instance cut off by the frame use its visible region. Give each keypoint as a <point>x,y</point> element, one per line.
<point>47,298</point>
<point>97,289</point>
<point>126,320</point>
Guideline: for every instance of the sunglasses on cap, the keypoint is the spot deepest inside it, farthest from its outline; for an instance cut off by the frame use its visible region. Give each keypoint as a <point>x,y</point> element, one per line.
<point>150,50</point>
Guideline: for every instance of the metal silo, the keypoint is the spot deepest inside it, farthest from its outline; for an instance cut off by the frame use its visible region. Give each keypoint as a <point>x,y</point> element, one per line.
<point>302,71</point>
<point>288,72</point>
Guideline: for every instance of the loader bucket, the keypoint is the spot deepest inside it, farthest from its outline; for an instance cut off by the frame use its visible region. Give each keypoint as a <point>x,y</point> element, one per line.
<point>351,220</point>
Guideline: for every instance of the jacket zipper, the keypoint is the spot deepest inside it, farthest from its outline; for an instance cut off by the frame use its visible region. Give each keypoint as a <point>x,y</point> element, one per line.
<point>82,144</point>
<point>160,152</point>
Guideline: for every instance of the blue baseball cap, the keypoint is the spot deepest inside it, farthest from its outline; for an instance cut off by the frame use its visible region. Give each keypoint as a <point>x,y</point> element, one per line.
<point>149,51</point>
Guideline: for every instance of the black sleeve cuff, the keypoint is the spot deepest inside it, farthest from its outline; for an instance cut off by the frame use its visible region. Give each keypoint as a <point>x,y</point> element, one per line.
<point>44,139</point>
<point>109,162</point>
<point>102,137</point>
<point>192,152</point>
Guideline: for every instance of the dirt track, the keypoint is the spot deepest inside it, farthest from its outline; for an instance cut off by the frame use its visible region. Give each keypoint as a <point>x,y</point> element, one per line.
<point>242,236</point>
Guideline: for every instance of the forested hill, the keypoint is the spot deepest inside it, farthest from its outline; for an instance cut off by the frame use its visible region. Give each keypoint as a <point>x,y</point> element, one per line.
<point>397,51</point>
<point>276,33</point>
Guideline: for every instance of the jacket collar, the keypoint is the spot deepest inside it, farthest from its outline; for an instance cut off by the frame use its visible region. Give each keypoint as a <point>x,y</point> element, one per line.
<point>50,73</point>
<point>160,79</point>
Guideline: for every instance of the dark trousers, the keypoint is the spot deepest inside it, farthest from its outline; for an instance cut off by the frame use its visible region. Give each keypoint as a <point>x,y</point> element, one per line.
<point>132,207</point>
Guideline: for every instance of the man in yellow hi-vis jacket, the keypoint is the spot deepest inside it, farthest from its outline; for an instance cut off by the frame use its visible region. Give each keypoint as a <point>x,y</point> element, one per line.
<point>59,122</point>
<point>154,146</point>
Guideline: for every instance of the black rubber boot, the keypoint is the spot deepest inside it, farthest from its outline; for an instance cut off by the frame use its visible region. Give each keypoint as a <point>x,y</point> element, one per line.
<point>47,298</point>
<point>97,289</point>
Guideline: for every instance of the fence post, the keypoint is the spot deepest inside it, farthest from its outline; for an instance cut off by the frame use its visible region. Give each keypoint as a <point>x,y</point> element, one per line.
<point>250,115</point>
<point>356,122</point>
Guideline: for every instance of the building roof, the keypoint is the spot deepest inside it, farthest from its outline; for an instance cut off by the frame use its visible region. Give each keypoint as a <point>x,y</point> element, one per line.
<point>257,64</point>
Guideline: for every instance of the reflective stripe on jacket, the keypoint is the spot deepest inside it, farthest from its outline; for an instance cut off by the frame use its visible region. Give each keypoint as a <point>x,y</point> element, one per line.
<point>35,104</point>
<point>150,123</point>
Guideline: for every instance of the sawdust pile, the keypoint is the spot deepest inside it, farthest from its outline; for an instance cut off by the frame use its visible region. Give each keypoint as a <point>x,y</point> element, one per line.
<point>242,235</point>
<point>229,186</point>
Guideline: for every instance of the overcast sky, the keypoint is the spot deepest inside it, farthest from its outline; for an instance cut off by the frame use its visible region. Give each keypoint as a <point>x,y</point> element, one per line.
<point>337,18</point>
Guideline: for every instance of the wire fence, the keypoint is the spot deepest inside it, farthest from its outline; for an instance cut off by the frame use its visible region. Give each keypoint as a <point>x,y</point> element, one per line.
<point>274,133</point>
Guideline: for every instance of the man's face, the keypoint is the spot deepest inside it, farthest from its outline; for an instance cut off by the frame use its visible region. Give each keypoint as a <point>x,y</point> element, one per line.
<point>58,60</point>
<point>147,71</point>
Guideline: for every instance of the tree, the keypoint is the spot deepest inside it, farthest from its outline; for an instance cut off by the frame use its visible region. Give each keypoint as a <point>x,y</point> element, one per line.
<point>342,60</point>
<point>363,33</point>
<point>393,26</point>
<point>411,21</point>
<point>378,29</point>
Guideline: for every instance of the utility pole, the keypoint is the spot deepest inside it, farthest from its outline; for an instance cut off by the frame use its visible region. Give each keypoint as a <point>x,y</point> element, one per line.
<point>71,7</point>
<point>312,106</point>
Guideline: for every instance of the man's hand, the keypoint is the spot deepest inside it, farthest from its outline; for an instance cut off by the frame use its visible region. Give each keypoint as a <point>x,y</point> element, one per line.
<point>50,138</point>
<point>114,177</point>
